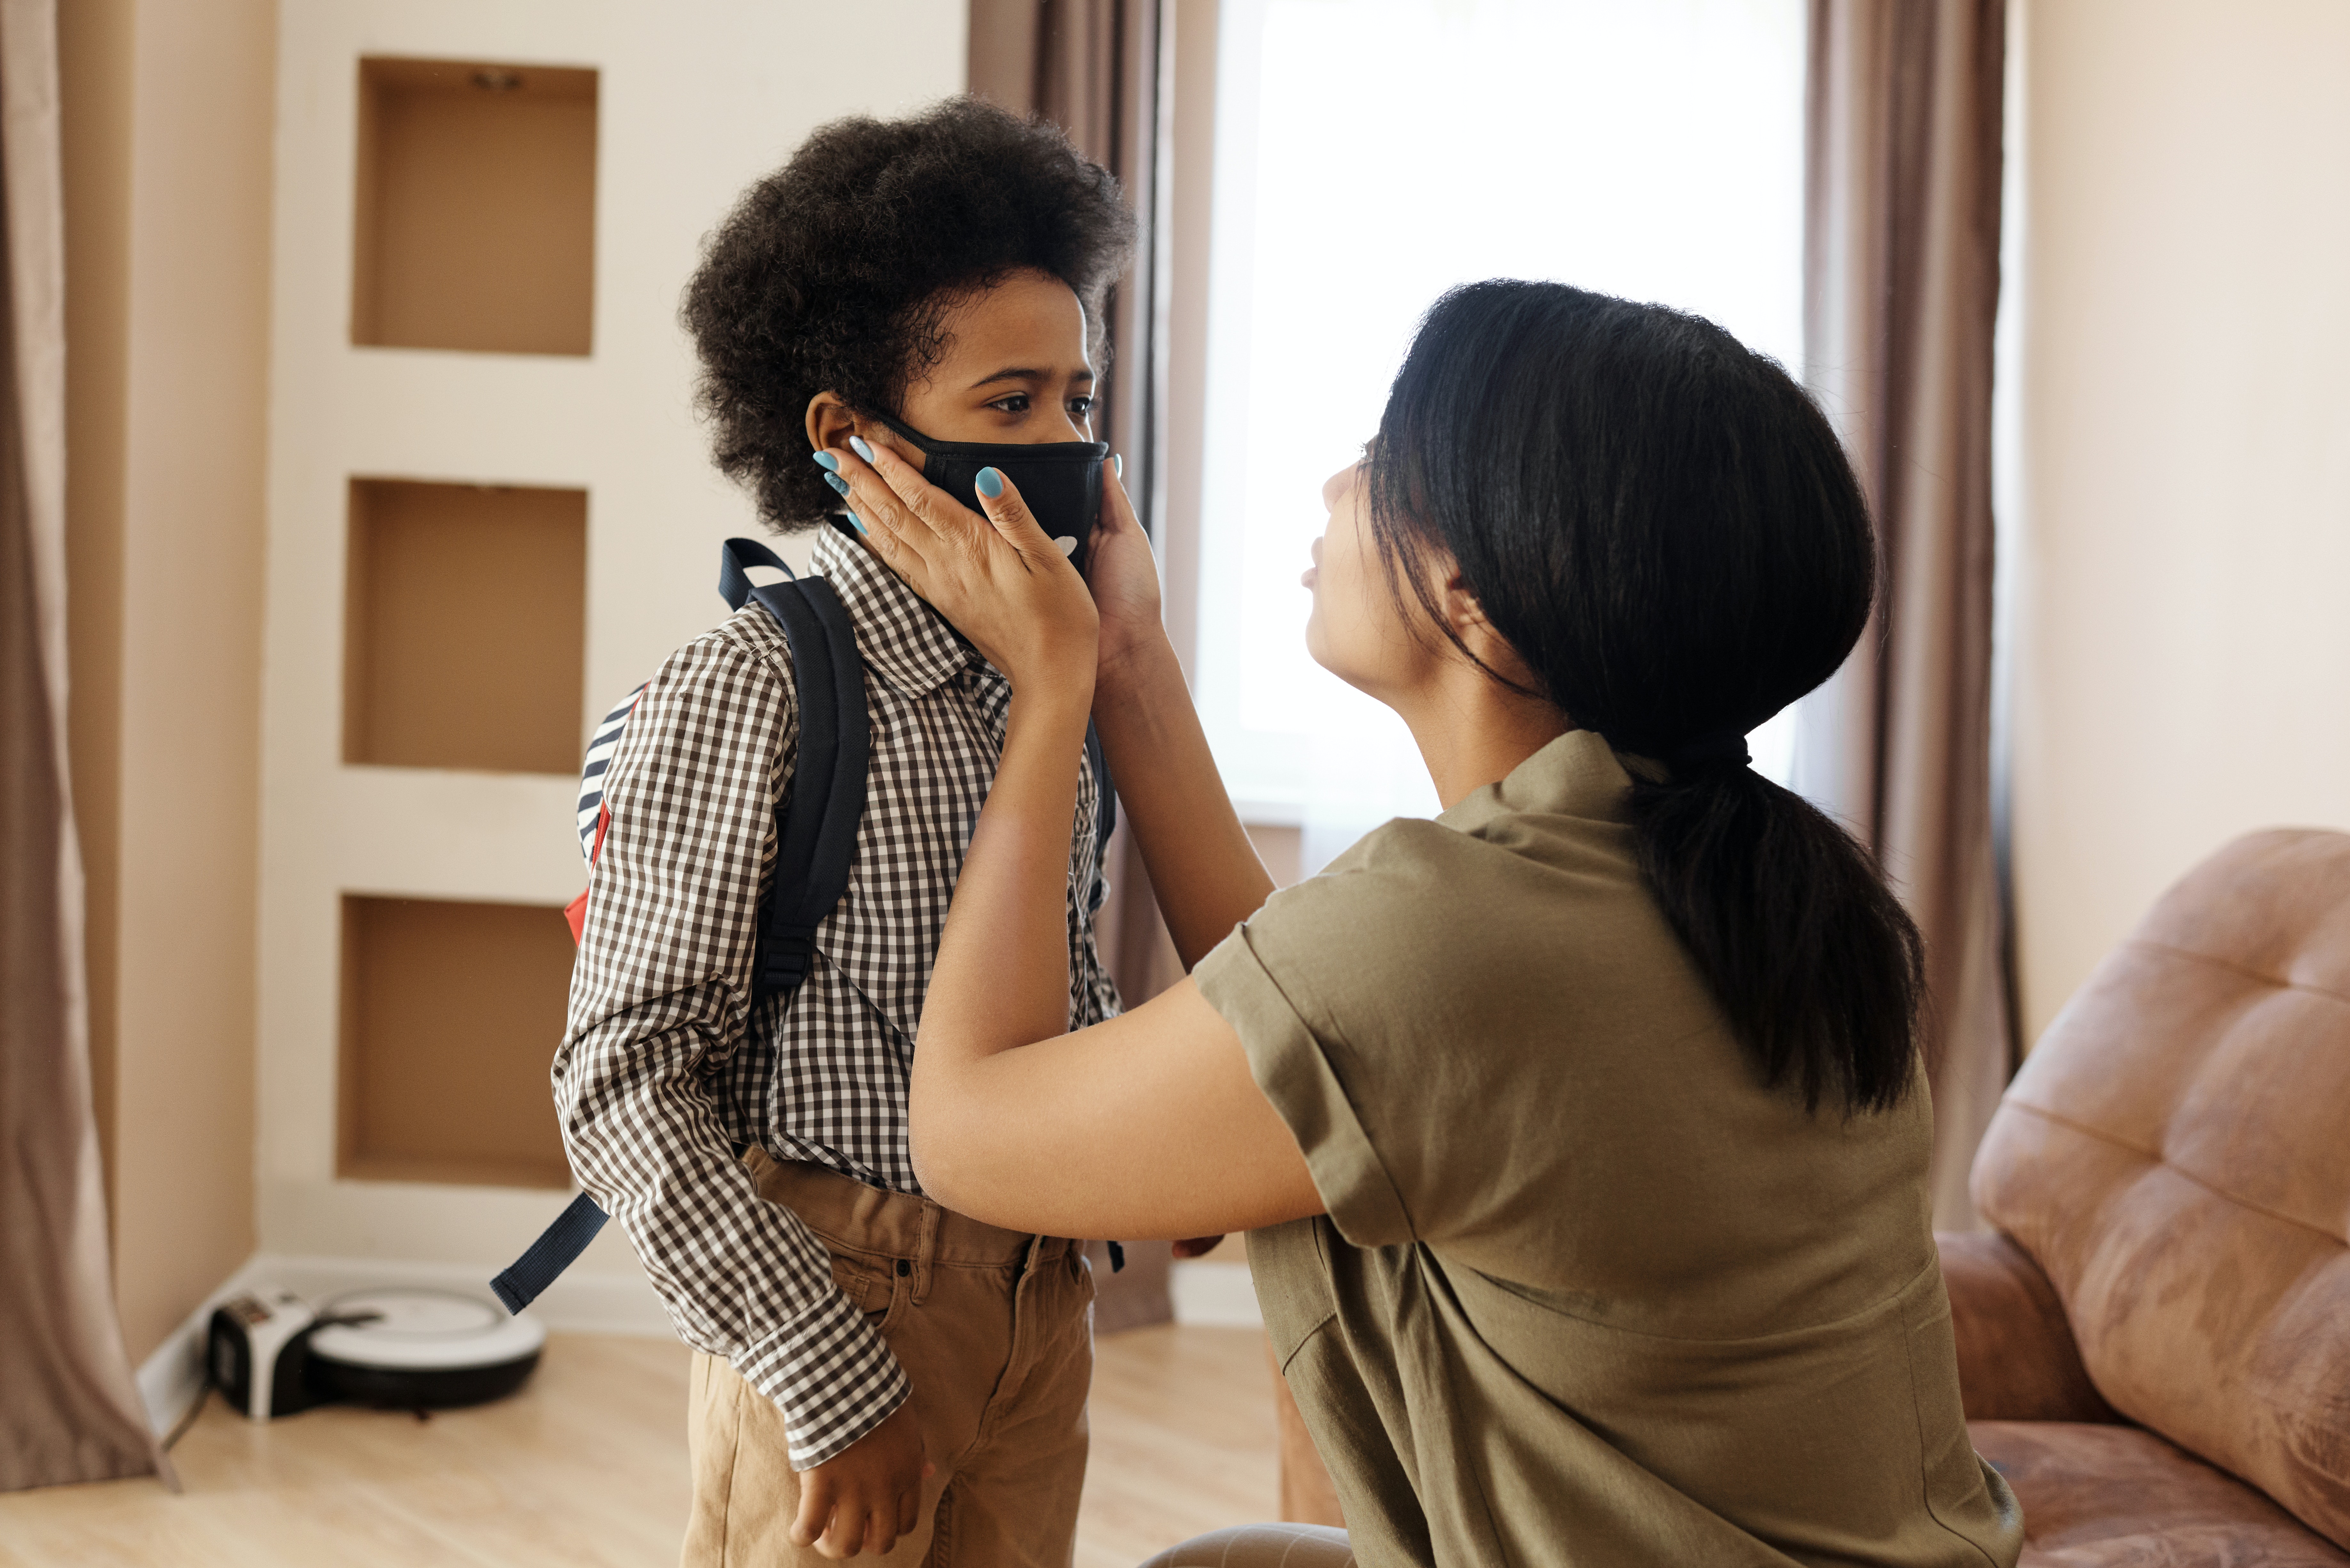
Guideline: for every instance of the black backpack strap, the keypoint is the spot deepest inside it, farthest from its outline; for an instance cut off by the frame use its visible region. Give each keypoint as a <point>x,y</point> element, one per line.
<point>826,876</point>
<point>1105,813</point>
<point>815,824</point>
<point>1105,824</point>
<point>735,558</point>
<point>555,1251</point>
<point>816,829</point>
<point>1105,791</point>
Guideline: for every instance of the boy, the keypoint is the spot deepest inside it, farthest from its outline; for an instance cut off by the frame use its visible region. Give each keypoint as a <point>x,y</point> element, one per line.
<point>875,1373</point>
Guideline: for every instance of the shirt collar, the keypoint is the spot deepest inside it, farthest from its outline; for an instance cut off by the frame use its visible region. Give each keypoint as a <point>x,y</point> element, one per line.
<point>903,639</point>
<point>1575,774</point>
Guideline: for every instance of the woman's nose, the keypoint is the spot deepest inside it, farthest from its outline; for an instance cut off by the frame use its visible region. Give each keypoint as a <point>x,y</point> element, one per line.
<point>1334,487</point>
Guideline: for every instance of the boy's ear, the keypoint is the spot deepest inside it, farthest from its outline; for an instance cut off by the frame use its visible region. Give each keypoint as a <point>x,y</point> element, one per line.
<point>829,422</point>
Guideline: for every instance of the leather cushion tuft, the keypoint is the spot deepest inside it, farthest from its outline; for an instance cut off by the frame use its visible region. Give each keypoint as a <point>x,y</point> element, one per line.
<point>2173,1155</point>
<point>2017,1361</point>
<point>2116,1496</point>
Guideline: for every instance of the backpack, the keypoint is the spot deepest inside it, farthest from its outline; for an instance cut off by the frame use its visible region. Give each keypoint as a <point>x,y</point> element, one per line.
<point>816,828</point>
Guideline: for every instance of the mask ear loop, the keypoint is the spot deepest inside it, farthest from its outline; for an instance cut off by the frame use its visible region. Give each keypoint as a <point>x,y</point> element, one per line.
<point>907,432</point>
<point>988,451</point>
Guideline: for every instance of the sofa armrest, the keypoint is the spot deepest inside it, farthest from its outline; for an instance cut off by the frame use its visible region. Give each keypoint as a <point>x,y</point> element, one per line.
<point>2017,1357</point>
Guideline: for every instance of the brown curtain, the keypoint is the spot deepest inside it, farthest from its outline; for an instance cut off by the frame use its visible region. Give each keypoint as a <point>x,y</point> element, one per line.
<point>1093,67</point>
<point>68,1408</point>
<point>1097,69</point>
<point>1901,289</point>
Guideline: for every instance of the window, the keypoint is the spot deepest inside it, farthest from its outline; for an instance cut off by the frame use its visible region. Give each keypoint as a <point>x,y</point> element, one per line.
<point>1371,153</point>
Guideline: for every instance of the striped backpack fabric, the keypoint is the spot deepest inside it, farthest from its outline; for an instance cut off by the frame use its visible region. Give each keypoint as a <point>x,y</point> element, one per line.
<point>594,819</point>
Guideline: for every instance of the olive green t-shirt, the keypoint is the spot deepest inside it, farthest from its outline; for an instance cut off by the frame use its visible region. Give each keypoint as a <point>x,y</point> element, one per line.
<point>1587,1292</point>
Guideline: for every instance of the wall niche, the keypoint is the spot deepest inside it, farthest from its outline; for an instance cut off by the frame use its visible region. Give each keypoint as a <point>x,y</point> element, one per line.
<point>451,1015</point>
<point>464,627</point>
<point>475,221</point>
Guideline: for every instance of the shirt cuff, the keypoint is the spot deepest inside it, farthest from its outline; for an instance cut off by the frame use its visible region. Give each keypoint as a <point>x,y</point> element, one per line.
<point>831,1374</point>
<point>1290,1068</point>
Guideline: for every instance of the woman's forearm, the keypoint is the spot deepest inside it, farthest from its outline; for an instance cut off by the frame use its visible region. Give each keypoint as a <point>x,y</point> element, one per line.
<point>1001,976</point>
<point>1203,867</point>
<point>1148,1125</point>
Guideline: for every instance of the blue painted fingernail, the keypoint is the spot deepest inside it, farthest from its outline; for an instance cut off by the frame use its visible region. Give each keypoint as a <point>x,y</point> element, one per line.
<point>836,482</point>
<point>1118,464</point>
<point>857,444</point>
<point>854,521</point>
<point>826,461</point>
<point>989,484</point>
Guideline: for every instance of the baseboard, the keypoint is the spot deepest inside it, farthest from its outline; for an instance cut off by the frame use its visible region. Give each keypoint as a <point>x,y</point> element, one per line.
<point>579,1303</point>
<point>1214,1294</point>
<point>170,1379</point>
<point>1205,1294</point>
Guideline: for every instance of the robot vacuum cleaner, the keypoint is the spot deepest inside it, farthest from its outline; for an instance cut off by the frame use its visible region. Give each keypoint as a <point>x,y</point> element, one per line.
<point>423,1349</point>
<point>401,1347</point>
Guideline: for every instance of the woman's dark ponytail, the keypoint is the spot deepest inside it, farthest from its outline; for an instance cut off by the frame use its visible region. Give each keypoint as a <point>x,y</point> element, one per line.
<point>1815,959</point>
<point>1667,532</point>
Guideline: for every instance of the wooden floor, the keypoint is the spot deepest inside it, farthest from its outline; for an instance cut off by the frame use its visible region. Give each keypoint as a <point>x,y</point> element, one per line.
<point>585,1469</point>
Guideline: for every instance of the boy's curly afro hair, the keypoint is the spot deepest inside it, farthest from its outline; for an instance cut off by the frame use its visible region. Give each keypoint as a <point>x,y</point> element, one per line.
<point>835,274</point>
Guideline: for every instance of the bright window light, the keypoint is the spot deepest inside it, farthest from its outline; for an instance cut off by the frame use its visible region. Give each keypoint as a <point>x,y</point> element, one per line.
<point>1371,153</point>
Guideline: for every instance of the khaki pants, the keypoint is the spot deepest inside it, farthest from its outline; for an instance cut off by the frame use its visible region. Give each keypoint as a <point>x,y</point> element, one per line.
<point>994,1331</point>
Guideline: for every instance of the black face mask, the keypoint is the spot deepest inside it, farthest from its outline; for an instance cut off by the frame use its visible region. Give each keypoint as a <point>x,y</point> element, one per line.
<point>1060,481</point>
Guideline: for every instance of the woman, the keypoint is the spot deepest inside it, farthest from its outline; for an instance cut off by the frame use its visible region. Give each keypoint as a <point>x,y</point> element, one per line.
<point>1581,1129</point>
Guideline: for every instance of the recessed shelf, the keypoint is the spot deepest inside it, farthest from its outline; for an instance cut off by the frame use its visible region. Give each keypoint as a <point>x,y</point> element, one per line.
<point>451,1014</point>
<point>465,627</point>
<point>475,213</point>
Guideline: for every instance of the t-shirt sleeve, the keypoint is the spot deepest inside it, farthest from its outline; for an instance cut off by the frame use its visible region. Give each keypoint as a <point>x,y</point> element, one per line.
<point>1295,1073</point>
<point>1349,992</point>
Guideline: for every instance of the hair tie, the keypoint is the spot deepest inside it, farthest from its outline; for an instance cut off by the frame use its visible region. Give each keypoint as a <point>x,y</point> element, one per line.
<point>1722,751</point>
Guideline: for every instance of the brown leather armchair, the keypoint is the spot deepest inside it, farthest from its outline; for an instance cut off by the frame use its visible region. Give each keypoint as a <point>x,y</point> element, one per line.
<point>2155,1349</point>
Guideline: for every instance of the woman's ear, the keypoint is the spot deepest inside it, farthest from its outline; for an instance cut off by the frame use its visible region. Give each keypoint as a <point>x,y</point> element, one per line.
<point>1461,610</point>
<point>1470,623</point>
<point>829,422</point>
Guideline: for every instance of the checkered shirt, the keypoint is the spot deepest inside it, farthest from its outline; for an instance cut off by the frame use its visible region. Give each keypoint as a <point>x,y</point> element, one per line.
<point>667,1063</point>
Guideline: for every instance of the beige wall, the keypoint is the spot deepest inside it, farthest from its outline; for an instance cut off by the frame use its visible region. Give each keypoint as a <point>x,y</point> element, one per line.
<point>2183,626</point>
<point>167,132</point>
<point>695,99</point>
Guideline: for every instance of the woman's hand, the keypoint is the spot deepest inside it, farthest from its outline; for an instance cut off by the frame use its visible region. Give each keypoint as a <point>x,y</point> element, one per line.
<point>1000,581</point>
<point>1124,577</point>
